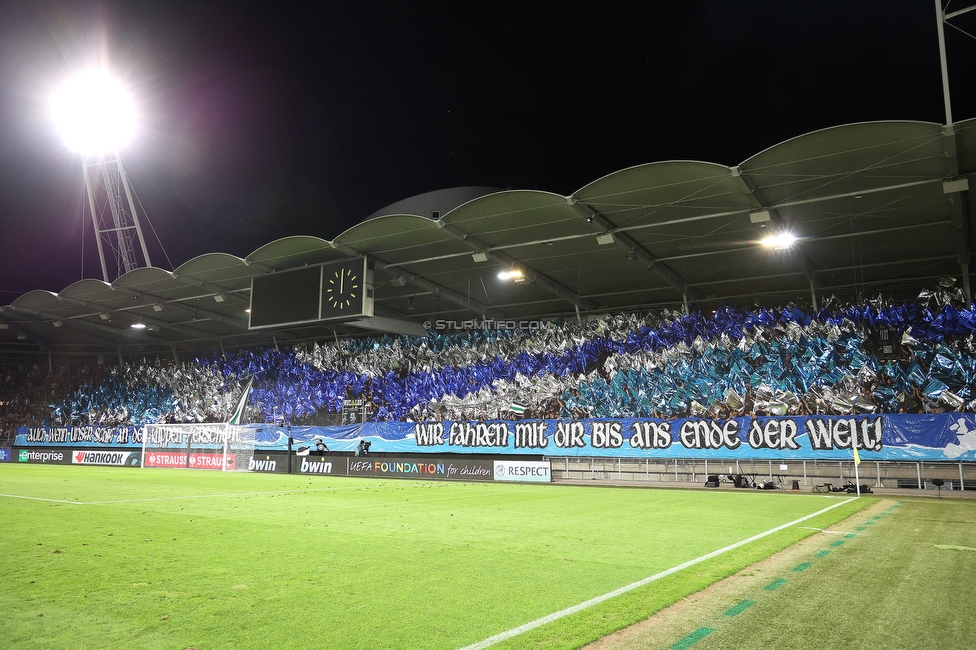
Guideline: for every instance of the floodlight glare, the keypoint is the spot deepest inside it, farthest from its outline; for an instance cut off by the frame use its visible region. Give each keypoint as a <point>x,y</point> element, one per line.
<point>94,113</point>
<point>779,241</point>
<point>513,274</point>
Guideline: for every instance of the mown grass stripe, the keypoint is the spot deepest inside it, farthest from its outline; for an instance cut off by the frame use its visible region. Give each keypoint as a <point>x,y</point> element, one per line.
<point>692,638</point>
<point>802,566</point>
<point>738,608</point>
<point>774,585</point>
<point>555,616</point>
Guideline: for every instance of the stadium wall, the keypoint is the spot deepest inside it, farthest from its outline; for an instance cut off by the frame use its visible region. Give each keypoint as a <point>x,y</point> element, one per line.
<point>934,437</point>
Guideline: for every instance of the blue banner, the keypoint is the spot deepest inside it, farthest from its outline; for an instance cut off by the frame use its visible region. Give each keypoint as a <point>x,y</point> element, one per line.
<point>935,437</point>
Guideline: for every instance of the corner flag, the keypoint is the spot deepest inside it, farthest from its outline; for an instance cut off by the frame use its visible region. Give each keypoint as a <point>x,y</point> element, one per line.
<point>238,414</point>
<point>857,456</point>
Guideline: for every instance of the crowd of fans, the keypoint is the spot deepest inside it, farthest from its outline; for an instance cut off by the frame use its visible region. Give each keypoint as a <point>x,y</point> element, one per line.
<point>872,357</point>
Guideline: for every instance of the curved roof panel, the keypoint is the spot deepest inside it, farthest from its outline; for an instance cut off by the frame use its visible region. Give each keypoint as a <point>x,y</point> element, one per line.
<point>845,159</point>
<point>289,252</point>
<point>867,202</point>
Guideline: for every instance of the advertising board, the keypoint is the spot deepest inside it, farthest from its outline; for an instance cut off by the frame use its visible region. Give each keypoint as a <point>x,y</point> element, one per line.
<point>59,456</point>
<point>116,457</point>
<point>455,469</point>
<point>191,461</point>
<point>523,471</point>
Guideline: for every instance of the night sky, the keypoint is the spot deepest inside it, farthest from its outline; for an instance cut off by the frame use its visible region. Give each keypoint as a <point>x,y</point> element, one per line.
<point>263,120</point>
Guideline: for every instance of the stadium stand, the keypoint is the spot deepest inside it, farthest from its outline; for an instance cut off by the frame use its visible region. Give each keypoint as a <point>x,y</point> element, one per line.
<point>662,364</point>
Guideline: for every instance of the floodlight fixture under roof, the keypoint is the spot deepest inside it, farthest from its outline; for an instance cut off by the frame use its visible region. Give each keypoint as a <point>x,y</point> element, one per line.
<point>515,275</point>
<point>778,241</point>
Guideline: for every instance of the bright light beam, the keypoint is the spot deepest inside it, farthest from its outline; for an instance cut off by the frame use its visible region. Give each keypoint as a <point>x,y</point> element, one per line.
<point>779,241</point>
<point>514,275</point>
<point>94,113</point>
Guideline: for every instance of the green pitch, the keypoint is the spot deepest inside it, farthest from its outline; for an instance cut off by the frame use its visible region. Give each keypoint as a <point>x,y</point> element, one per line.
<point>112,558</point>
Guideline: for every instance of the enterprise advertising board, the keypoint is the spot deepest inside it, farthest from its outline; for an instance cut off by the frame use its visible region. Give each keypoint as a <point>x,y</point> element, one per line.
<point>58,456</point>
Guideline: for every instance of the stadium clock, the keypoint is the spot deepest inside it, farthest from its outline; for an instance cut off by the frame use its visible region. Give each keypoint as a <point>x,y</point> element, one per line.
<point>343,288</point>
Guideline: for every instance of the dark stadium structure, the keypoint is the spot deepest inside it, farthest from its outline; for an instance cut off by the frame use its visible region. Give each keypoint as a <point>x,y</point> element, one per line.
<point>878,208</point>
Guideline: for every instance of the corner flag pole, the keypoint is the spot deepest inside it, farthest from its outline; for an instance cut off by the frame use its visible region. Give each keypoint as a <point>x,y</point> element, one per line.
<point>857,461</point>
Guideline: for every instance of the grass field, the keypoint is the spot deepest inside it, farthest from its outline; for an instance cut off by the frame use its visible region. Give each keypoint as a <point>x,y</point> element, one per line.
<point>113,558</point>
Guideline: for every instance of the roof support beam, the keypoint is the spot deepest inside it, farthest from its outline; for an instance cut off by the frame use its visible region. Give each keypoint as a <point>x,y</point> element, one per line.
<point>193,311</point>
<point>846,235</point>
<point>437,290</point>
<point>806,264</point>
<point>670,222</point>
<point>101,333</point>
<point>422,283</point>
<point>960,208</point>
<point>37,338</point>
<point>210,286</point>
<point>643,255</point>
<point>145,319</point>
<point>531,274</point>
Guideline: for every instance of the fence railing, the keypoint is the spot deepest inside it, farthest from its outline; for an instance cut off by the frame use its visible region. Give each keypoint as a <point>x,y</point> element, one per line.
<point>781,473</point>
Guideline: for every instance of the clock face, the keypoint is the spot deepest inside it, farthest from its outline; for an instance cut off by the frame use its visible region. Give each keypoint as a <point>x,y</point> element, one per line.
<point>343,289</point>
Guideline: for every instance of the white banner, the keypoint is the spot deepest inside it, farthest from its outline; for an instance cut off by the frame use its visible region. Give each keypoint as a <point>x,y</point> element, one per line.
<point>523,471</point>
<point>115,457</point>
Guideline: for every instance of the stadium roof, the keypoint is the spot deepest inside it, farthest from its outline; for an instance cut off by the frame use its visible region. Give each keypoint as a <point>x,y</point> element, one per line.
<point>880,207</point>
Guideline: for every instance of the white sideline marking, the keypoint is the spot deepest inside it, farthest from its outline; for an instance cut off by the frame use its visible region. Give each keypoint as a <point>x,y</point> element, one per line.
<point>521,629</point>
<point>191,496</point>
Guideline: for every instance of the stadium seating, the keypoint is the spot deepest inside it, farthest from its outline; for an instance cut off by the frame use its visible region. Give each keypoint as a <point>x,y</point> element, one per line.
<point>666,364</point>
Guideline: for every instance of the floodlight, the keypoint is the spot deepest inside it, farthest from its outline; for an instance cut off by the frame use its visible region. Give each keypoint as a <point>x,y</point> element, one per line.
<point>779,241</point>
<point>138,326</point>
<point>513,274</point>
<point>94,113</point>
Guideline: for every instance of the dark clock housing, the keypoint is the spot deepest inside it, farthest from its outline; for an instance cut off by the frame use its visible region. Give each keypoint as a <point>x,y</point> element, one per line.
<point>331,291</point>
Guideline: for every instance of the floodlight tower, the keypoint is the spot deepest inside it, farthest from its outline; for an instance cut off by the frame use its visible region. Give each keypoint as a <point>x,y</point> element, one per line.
<point>96,117</point>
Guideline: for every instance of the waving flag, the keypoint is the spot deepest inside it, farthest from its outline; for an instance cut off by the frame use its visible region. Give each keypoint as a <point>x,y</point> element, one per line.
<point>238,414</point>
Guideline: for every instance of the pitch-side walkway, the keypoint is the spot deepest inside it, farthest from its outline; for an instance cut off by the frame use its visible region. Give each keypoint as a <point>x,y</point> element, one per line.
<point>804,489</point>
